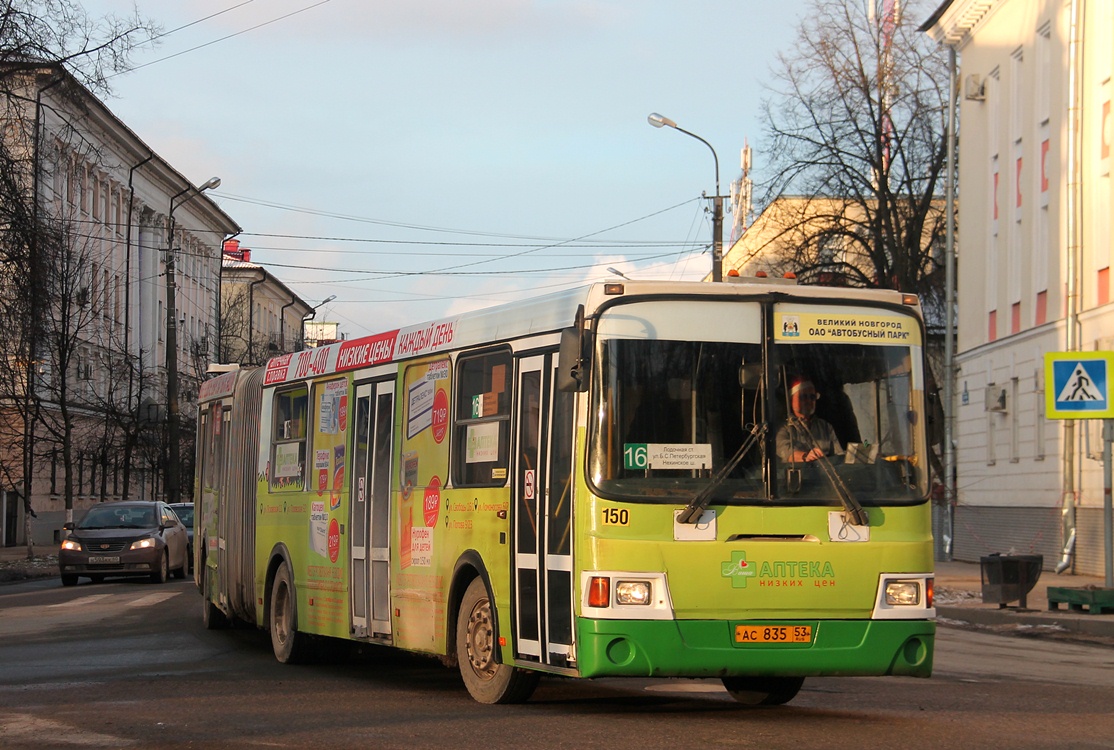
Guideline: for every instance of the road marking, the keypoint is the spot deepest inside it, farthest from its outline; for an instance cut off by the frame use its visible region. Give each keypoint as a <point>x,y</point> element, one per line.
<point>81,601</point>
<point>147,601</point>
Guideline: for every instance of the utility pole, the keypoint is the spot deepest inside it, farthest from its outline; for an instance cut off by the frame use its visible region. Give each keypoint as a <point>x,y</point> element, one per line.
<point>173,437</point>
<point>717,231</point>
<point>173,421</point>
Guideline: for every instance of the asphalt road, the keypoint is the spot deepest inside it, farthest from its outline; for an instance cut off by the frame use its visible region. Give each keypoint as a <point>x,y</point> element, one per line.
<point>129,665</point>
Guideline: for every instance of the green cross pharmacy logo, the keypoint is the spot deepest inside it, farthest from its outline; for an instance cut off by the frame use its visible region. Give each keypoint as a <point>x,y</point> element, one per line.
<point>737,569</point>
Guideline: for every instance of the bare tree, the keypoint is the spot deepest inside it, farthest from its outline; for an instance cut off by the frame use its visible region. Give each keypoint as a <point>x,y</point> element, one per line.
<point>42,43</point>
<point>71,307</point>
<point>241,339</point>
<point>37,32</point>
<point>856,133</point>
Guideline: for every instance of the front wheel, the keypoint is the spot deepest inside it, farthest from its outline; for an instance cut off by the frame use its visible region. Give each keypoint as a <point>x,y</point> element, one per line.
<point>162,572</point>
<point>69,580</point>
<point>763,691</point>
<point>487,680</point>
<point>288,644</point>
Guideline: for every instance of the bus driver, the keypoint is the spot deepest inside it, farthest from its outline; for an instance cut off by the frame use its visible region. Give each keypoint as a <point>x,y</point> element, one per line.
<point>805,436</point>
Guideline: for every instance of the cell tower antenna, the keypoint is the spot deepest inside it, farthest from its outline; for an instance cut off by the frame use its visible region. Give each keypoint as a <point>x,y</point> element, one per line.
<point>741,195</point>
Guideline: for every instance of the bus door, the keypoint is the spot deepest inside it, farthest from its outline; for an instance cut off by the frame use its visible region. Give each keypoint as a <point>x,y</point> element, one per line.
<point>542,496</point>
<point>369,521</point>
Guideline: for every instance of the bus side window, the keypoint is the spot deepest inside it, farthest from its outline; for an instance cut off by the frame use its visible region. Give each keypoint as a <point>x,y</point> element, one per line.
<point>288,439</point>
<point>481,435</point>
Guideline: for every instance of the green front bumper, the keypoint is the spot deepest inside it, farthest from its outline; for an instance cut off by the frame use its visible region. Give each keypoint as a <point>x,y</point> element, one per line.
<point>707,648</point>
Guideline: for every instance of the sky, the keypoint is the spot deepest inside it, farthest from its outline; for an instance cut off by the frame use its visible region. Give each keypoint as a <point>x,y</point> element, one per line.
<point>421,158</point>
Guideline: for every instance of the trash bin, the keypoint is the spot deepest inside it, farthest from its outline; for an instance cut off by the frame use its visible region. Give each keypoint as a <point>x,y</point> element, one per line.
<point>1008,578</point>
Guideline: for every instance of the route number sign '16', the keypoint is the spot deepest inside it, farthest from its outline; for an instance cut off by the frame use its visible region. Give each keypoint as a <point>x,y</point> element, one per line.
<point>1077,385</point>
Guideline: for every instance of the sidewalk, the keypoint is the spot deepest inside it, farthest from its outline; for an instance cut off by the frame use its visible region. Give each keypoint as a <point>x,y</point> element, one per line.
<point>959,599</point>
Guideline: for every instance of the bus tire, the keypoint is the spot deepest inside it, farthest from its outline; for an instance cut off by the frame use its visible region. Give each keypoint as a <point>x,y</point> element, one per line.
<point>763,691</point>
<point>487,680</point>
<point>289,645</point>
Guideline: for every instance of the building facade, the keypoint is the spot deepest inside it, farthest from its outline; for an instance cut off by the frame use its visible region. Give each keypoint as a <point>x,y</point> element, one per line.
<point>1033,275</point>
<point>260,316</point>
<point>107,213</point>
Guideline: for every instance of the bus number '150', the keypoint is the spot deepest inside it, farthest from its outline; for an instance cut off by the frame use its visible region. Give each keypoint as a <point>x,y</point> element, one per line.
<point>616,517</point>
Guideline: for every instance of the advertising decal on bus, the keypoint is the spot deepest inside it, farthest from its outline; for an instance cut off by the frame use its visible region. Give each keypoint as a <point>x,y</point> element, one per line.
<point>427,392</point>
<point>363,352</point>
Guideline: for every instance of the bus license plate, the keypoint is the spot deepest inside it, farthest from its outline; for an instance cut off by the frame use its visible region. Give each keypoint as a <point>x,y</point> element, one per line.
<point>102,560</point>
<point>773,634</point>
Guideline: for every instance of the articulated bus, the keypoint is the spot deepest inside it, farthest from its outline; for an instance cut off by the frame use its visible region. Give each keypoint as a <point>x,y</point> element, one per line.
<point>587,484</point>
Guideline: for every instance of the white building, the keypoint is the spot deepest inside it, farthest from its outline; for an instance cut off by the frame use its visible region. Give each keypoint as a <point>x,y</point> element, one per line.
<point>112,197</point>
<point>1034,257</point>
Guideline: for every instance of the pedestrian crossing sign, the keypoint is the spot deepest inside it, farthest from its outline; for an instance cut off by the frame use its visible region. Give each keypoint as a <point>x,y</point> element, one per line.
<point>1077,385</point>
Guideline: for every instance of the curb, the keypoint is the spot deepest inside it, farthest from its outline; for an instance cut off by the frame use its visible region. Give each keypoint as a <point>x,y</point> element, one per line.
<point>1088,625</point>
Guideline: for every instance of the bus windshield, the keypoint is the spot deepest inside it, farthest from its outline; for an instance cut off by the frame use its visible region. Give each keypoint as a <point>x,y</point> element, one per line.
<point>683,403</point>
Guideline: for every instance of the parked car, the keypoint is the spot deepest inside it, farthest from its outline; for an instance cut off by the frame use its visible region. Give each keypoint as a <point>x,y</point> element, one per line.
<point>134,538</point>
<point>185,515</point>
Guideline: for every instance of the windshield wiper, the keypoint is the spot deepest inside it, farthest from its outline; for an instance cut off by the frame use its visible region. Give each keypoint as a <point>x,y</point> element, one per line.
<point>691,513</point>
<point>850,504</point>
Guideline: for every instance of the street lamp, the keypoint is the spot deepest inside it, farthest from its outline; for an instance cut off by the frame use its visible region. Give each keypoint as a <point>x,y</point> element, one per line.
<point>659,121</point>
<point>618,273</point>
<point>313,314</point>
<point>173,482</point>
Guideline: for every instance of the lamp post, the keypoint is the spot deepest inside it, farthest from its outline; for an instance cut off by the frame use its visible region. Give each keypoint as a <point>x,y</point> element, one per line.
<point>659,121</point>
<point>313,314</point>
<point>618,273</point>
<point>173,481</point>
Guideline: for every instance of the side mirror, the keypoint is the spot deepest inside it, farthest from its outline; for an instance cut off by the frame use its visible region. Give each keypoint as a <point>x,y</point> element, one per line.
<point>68,526</point>
<point>750,375</point>
<point>574,356</point>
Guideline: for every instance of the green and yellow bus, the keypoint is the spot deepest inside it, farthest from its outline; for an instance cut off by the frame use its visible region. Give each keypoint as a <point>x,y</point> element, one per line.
<point>587,484</point>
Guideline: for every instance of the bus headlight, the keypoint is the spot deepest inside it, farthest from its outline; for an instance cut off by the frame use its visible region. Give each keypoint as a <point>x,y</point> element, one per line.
<point>633,592</point>
<point>625,595</point>
<point>903,593</point>
<point>904,596</point>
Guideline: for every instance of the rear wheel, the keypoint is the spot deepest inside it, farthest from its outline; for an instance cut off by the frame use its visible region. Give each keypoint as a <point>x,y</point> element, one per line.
<point>183,569</point>
<point>763,691</point>
<point>487,680</point>
<point>289,645</point>
<point>163,571</point>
